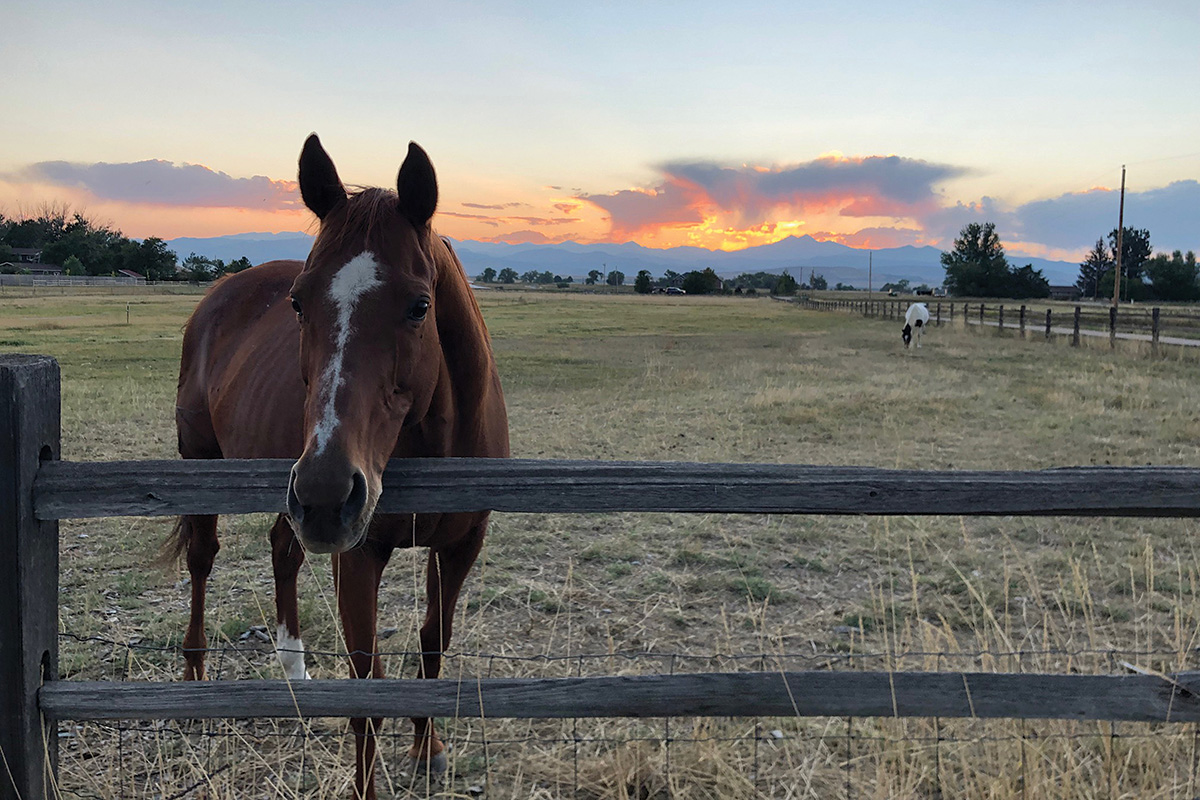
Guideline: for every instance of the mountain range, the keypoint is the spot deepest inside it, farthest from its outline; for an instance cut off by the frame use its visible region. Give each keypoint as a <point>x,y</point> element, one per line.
<point>800,255</point>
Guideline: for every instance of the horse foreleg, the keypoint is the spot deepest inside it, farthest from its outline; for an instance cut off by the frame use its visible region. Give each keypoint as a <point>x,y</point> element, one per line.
<point>199,533</point>
<point>286,557</point>
<point>448,568</point>
<point>356,576</point>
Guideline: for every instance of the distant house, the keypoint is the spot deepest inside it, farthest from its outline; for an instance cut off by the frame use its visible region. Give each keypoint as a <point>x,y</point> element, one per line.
<point>27,255</point>
<point>128,273</point>
<point>23,267</point>
<point>29,260</point>
<point>1065,293</point>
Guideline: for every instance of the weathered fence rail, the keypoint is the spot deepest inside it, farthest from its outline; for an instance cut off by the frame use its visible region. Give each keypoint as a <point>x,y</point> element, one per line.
<point>36,490</point>
<point>66,490</point>
<point>983,695</point>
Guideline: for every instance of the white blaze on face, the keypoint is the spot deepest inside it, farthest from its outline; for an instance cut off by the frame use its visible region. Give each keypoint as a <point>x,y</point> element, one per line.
<point>291,654</point>
<point>352,281</point>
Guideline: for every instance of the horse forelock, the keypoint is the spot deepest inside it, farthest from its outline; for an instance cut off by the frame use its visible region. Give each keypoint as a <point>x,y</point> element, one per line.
<point>359,223</point>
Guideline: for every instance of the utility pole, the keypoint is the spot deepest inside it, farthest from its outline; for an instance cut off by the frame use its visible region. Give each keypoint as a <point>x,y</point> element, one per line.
<point>1120,235</point>
<point>869,259</point>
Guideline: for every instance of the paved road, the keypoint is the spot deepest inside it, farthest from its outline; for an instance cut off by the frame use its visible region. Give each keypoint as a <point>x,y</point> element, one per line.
<point>1135,337</point>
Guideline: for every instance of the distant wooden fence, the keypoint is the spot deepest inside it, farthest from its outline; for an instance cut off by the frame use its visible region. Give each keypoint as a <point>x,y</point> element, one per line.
<point>36,490</point>
<point>1152,325</point>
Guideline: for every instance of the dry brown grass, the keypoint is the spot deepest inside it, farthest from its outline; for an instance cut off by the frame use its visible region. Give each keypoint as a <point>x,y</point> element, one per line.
<point>696,379</point>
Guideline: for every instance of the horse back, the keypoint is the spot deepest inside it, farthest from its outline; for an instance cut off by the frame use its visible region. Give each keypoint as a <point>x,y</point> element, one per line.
<point>240,393</point>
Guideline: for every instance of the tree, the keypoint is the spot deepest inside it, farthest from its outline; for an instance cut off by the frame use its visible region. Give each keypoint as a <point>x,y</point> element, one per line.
<point>1027,282</point>
<point>150,258</point>
<point>843,287</point>
<point>706,282</point>
<point>530,276</point>
<point>487,276</point>
<point>198,268</point>
<point>1174,277</point>
<point>615,278</point>
<point>976,266</point>
<point>785,285</point>
<point>96,246</point>
<point>238,265</point>
<point>900,286</point>
<point>72,266</point>
<point>818,282</point>
<point>1097,262</point>
<point>672,278</point>
<point>593,276</point>
<point>641,284</point>
<point>507,275</point>
<point>1135,252</point>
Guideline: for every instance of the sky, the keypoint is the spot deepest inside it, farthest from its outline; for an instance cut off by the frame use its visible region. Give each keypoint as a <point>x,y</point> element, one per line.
<point>719,125</point>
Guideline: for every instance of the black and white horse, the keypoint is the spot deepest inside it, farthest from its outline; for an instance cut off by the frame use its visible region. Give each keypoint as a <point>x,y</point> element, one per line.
<point>916,319</point>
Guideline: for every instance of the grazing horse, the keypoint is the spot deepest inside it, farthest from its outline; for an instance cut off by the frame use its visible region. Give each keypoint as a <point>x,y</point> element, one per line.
<point>373,348</point>
<point>916,320</point>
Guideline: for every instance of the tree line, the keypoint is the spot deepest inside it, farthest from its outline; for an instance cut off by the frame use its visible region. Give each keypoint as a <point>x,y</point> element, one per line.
<point>83,246</point>
<point>977,267</point>
<point>1144,275</point>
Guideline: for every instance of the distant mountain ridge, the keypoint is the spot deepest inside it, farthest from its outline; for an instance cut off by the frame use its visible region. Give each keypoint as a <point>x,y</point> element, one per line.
<point>800,255</point>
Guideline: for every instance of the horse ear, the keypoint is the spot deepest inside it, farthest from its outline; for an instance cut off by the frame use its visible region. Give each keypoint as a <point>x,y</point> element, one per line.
<point>320,186</point>
<point>416,186</point>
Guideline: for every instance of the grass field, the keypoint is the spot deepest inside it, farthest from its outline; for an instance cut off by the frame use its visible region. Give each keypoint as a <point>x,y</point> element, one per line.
<point>691,379</point>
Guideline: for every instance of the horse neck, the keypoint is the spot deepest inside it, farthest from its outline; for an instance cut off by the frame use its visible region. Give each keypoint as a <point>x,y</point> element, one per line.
<point>466,348</point>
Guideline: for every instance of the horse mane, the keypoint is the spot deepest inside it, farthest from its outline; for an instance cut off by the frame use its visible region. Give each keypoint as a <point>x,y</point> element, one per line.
<point>366,211</point>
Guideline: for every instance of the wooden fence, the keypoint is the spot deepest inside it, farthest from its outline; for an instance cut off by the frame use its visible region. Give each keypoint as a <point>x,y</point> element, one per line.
<point>36,490</point>
<point>1152,325</point>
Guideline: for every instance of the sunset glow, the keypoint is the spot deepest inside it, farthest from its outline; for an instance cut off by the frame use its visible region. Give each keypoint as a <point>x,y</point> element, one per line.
<point>568,125</point>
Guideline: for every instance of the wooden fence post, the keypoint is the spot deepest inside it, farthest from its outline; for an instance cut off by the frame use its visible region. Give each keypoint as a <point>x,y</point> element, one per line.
<point>1075,330</point>
<point>29,434</point>
<point>1112,326</point>
<point>1048,322</point>
<point>952,313</point>
<point>939,315</point>
<point>1022,322</point>
<point>1001,318</point>
<point>981,307</point>
<point>1154,332</point>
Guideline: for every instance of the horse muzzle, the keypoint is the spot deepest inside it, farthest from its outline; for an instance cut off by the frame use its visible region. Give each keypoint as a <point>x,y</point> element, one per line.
<point>329,513</point>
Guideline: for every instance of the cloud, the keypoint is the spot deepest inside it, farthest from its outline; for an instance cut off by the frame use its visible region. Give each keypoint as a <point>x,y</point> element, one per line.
<point>501,220</point>
<point>876,238</point>
<point>494,206</point>
<point>943,224</point>
<point>1064,225</point>
<point>1077,219</point>
<point>157,182</point>
<point>746,196</point>
<point>632,210</point>
<point>522,237</point>
<point>897,182</point>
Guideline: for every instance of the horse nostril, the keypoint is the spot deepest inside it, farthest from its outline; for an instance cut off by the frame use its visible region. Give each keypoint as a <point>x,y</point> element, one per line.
<point>357,500</point>
<point>294,507</point>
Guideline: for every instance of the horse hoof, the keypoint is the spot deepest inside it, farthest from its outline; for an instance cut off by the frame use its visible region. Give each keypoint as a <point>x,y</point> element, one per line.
<point>436,765</point>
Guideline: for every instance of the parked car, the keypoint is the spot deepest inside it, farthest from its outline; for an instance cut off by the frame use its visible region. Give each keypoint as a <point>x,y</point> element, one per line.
<point>675,290</point>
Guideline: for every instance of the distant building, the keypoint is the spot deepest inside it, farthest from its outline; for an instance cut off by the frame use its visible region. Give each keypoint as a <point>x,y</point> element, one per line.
<point>27,255</point>
<point>1065,293</point>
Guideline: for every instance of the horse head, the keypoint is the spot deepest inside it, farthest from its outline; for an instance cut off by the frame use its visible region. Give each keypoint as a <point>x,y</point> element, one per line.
<point>369,350</point>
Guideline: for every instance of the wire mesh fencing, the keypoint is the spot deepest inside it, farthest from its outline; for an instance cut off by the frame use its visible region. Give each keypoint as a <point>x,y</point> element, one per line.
<point>646,757</point>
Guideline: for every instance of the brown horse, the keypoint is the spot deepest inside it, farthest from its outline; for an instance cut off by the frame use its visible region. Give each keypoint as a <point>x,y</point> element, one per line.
<point>374,348</point>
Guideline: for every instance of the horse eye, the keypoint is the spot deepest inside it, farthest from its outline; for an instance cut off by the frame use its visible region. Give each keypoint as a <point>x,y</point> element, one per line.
<point>419,310</point>
<point>296,306</point>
